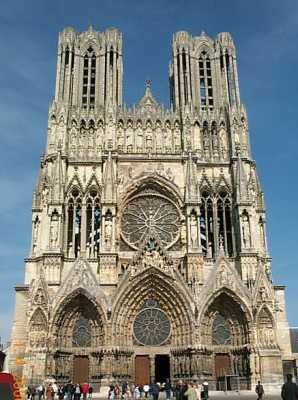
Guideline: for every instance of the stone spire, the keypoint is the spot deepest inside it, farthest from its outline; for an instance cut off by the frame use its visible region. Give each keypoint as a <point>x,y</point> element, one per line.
<point>191,188</point>
<point>109,182</point>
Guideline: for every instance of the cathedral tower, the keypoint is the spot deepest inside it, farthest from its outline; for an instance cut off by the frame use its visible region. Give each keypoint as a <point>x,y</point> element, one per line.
<point>148,257</point>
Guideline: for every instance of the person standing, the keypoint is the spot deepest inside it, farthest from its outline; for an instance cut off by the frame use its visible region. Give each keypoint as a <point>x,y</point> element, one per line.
<point>90,391</point>
<point>68,390</point>
<point>85,390</point>
<point>191,393</point>
<point>179,391</point>
<point>289,389</point>
<point>205,390</point>
<point>168,388</point>
<point>50,392</point>
<point>154,390</point>
<point>77,392</point>
<point>146,389</point>
<point>259,390</point>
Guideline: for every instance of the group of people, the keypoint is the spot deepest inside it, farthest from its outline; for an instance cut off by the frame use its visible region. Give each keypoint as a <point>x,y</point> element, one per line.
<point>52,391</point>
<point>155,391</point>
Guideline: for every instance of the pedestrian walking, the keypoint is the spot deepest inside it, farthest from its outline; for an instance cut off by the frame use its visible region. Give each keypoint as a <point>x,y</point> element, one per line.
<point>259,391</point>
<point>289,389</point>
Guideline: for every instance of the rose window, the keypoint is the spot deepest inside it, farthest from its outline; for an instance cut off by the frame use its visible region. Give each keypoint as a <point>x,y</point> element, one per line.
<point>151,327</point>
<point>150,215</point>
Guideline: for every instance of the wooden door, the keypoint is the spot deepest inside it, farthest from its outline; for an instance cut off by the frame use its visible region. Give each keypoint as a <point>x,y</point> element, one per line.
<point>222,365</point>
<point>142,370</point>
<point>80,369</point>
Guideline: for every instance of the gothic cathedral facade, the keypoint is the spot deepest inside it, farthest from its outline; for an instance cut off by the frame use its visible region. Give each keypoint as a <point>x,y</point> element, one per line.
<point>148,257</point>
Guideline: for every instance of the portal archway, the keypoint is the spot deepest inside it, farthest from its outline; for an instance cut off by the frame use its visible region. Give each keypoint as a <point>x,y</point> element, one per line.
<point>78,334</point>
<point>153,285</point>
<point>225,330</point>
<point>153,314</point>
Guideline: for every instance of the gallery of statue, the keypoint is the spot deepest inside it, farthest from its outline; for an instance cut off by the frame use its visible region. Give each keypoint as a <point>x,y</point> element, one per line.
<point>148,257</point>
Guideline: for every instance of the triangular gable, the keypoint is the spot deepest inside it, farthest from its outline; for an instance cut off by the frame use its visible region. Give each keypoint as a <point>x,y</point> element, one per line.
<point>93,181</point>
<point>263,291</point>
<point>39,292</point>
<point>222,182</point>
<point>205,182</point>
<point>75,181</point>
<point>80,276</point>
<point>224,276</point>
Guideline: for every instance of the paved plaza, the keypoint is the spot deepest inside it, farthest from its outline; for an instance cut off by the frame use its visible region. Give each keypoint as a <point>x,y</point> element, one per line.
<point>230,395</point>
<point>227,395</point>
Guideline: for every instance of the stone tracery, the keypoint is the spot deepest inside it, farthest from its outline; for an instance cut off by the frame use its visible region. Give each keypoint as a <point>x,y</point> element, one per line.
<point>150,213</point>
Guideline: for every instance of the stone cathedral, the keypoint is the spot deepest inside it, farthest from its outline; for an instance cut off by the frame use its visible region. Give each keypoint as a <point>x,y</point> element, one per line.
<point>148,257</point>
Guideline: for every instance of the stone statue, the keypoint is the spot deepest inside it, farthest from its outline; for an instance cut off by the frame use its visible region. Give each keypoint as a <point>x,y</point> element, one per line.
<point>45,195</point>
<point>53,236</point>
<point>108,233</point>
<point>245,231</point>
<point>39,298</point>
<point>35,233</point>
<point>193,227</point>
<point>139,138</point>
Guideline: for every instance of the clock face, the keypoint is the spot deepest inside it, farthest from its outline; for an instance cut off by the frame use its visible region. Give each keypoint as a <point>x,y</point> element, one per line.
<point>150,215</point>
<point>151,327</point>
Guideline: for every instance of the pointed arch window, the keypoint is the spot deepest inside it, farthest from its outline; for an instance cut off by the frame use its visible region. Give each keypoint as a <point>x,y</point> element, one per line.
<point>89,79</point>
<point>93,214</point>
<point>74,222</point>
<point>207,225</point>
<point>216,224</point>
<point>205,81</point>
<point>82,333</point>
<point>224,219</point>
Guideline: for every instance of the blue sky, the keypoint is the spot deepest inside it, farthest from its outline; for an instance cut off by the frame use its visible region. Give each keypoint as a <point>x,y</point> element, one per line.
<point>265,33</point>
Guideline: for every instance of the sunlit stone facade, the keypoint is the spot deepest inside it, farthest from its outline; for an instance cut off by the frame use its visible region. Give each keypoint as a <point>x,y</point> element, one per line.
<point>148,256</point>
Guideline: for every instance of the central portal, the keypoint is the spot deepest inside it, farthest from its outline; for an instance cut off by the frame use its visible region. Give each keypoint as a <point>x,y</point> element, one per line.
<point>162,368</point>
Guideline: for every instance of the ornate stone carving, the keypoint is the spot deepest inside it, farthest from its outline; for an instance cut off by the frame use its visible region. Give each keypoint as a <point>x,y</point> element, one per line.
<point>150,215</point>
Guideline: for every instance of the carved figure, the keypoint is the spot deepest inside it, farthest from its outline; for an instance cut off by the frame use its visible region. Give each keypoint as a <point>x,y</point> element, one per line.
<point>246,239</point>
<point>39,298</point>
<point>108,232</point>
<point>193,231</point>
<point>53,234</point>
